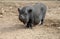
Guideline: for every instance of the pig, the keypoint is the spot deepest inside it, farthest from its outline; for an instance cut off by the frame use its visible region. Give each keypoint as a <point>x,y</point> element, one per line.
<point>32,14</point>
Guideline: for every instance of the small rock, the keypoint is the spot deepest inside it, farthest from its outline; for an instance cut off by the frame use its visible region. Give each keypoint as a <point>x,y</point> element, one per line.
<point>1,13</point>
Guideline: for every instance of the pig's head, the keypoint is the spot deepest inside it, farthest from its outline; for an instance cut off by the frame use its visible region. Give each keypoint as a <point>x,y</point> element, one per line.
<point>24,14</point>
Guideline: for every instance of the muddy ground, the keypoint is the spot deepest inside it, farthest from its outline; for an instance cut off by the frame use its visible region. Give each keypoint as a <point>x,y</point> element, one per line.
<point>12,28</point>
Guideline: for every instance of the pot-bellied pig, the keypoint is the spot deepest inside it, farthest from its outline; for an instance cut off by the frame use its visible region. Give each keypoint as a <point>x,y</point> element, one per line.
<point>32,14</point>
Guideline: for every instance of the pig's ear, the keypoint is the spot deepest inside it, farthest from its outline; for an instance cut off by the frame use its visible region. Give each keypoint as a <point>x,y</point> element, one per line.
<point>30,10</point>
<point>18,9</point>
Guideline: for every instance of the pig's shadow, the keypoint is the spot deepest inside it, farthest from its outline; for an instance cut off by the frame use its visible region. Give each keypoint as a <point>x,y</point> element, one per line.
<point>13,28</point>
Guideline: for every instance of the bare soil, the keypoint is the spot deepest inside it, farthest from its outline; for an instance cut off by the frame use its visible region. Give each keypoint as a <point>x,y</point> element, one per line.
<point>12,28</point>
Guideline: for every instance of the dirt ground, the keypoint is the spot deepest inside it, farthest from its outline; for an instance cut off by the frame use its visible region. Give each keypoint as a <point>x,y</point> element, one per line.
<point>30,0</point>
<point>12,28</point>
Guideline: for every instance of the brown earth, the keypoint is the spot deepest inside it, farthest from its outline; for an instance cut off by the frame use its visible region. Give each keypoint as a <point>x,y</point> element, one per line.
<point>12,28</point>
<point>30,0</point>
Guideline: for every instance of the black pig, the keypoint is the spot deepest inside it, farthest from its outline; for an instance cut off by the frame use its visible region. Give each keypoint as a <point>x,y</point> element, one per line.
<point>32,15</point>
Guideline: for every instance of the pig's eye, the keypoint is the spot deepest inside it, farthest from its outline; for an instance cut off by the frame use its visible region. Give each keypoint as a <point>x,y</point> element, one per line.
<point>25,13</point>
